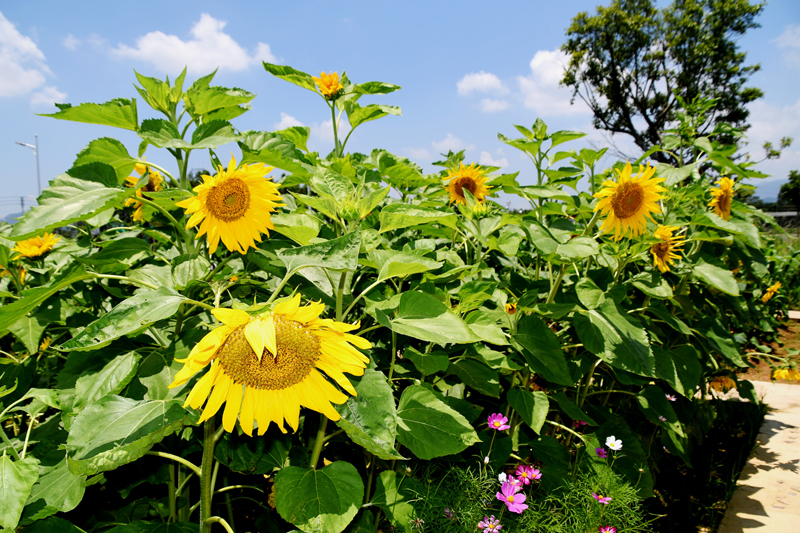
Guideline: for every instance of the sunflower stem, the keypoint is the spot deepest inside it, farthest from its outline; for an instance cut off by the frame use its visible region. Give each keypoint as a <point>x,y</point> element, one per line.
<point>206,524</point>
<point>186,237</point>
<point>340,295</point>
<point>177,459</point>
<point>206,487</point>
<point>319,441</point>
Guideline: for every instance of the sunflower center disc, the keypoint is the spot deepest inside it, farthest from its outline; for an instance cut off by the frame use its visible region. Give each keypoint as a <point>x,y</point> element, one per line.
<point>662,249</point>
<point>298,352</point>
<point>229,200</point>
<point>465,183</point>
<point>724,202</point>
<point>627,200</point>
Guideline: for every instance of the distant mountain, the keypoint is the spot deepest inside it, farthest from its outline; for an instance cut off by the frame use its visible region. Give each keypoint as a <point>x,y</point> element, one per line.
<point>11,218</point>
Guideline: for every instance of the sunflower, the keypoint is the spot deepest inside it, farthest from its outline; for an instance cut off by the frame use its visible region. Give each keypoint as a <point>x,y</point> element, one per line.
<point>37,246</point>
<point>667,250</point>
<point>722,384</point>
<point>787,373</point>
<point>234,206</point>
<point>722,197</point>
<point>771,292</point>
<point>154,184</point>
<point>470,178</point>
<point>629,200</point>
<point>266,367</point>
<point>511,308</point>
<point>328,84</point>
<point>45,344</point>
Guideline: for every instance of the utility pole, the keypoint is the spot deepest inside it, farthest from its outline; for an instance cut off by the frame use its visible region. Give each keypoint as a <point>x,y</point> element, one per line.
<point>35,151</point>
<point>22,203</point>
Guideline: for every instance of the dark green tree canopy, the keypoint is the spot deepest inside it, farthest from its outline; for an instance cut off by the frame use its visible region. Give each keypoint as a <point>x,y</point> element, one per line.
<point>630,60</point>
<point>790,191</point>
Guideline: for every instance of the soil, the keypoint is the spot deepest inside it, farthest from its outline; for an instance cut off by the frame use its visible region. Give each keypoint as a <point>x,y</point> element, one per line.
<point>788,338</point>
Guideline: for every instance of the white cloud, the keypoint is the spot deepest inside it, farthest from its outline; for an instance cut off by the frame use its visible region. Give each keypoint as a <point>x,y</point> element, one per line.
<point>210,48</point>
<point>451,143</point>
<point>71,42</point>
<point>491,106</point>
<point>540,90</point>
<point>481,82</point>
<point>419,154</point>
<point>47,97</point>
<point>789,41</point>
<point>22,64</point>
<point>287,121</point>
<point>487,160</point>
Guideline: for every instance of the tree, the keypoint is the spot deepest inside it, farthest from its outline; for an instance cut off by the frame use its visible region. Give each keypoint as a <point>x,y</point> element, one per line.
<point>630,61</point>
<point>790,191</point>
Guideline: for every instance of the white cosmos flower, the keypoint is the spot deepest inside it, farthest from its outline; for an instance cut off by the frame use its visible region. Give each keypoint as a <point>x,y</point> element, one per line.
<point>613,443</point>
<point>502,477</point>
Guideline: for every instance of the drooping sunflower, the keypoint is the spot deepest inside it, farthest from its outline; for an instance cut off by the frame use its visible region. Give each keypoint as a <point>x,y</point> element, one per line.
<point>665,251</point>
<point>328,84</point>
<point>234,205</point>
<point>629,201</point>
<point>771,292</point>
<point>155,183</point>
<point>37,246</point>
<point>722,384</point>
<point>722,198</point>
<point>787,373</point>
<point>471,178</point>
<point>265,368</point>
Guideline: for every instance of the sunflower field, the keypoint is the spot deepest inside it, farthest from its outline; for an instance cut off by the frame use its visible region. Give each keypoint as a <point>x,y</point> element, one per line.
<point>292,342</point>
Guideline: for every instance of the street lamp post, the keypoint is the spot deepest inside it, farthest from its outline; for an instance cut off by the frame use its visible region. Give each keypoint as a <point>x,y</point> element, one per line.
<point>35,151</point>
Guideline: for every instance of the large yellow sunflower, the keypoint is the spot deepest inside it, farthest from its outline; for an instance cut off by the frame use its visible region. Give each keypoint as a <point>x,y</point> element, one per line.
<point>722,198</point>
<point>37,246</point>
<point>665,251</point>
<point>328,84</point>
<point>265,368</point>
<point>470,178</point>
<point>234,206</point>
<point>787,373</point>
<point>154,184</point>
<point>771,292</point>
<point>629,200</point>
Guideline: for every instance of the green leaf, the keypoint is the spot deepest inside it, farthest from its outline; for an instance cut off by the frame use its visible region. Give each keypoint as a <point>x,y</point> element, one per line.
<point>427,363</point>
<point>429,428</point>
<point>155,92</point>
<point>248,455</point>
<point>589,294</point>
<point>422,316</point>
<point>529,146</point>
<point>115,431</point>
<point>162,133</point>
<point>28,330</point>
<point>274,150</point>
<point>202,101</point>
<point>130,316</point>
<point>716,277</point>
<point>396,216</point>
<point>127,250</point>
<point>119,113</point>
<point>673,175</point>
<point>299,228</point>
<point>291,75</point>
<point>330,184</point>
<point>680,367</point>
<point>531,406</point>
<point>319,501</point>
<point>616,338</point>
<point>110,379</point>
<point>32,298</point>
<point>653,285</point>
<point>96,172</point>
<point>53,525</point>
<point>189,267</point>
<point>478,376</point>
<point>65,201</point>
<point>335,254</point>
<point>143,526</point>
<point>297,135</point>
<point>368,204</point>
<point>375,87</point>
<point>653,403</point>
<point>358,115</point>
<point>721,339</point>
<point>59,490</point>
<point>394,496</point>
<point>212,134</point>
<point>572,410</point>
<point>394,263</point>
<point>370,417</point>
<point>108,151</point>
<point>16,480</point>
<point>563,136</point>
<point>542,350</point>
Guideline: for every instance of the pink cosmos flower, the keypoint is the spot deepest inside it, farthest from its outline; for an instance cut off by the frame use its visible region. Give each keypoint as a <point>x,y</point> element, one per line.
<point>526,474</point>
<point>578,423</point>
<point>601,499</point>
<point>601,453</point>
<point>498,422</point>
<point>514,500</point>
<point>662,418</point>
<point>672,398</point>
<point>490,523</point>
<point>607,529</point>
<point>515,482</point>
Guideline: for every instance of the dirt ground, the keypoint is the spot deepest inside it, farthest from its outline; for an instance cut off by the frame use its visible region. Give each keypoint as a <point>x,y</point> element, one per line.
<point>789,337</point>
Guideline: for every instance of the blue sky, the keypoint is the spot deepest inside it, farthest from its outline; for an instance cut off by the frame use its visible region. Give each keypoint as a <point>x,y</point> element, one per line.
<point>468,71</point>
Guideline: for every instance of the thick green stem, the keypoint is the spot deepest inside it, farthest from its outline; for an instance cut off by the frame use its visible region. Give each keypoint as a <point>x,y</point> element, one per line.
<point>337,150</point>
<point>319,441</point>
<point>394,354</point>
<point>206,487</point>
<point>340,295</point>
<point>8,444</point>
<point>173,515</point>
<point>206,524</point>
<point>177,459</point>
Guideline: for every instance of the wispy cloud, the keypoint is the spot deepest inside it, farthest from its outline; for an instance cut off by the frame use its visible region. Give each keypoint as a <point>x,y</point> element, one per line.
<point>451,143</point>
<point>540,90</point>
<point>287,121</point>
<point>492,106</point>
<point>487,160</point>
<point>209,48</point>
<point>789,42</point>
<point>480,82</point>
<point>47,97</point>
